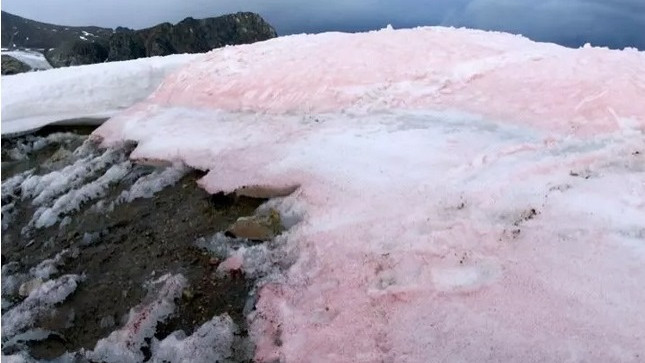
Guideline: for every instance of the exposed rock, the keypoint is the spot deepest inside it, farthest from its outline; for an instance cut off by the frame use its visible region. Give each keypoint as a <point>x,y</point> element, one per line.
<point>29,286</point>
<point>69,46</point>
<point>77,52</point>
<point>190,36</point>
<point>258,227</point>
<point>11,65</point>
<point>126,45</point>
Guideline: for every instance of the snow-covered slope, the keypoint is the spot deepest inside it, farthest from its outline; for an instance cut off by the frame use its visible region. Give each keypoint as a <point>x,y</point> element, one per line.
<point>35,99</point>
<point>464,195</point>
<point>32,58</point>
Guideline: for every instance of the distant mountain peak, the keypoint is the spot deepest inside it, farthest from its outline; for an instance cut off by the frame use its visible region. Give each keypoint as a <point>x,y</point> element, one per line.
<point>19,32</point>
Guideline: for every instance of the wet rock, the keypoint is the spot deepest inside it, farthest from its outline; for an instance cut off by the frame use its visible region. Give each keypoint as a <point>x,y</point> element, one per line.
<point>29,286</point>
<point>258,227</point>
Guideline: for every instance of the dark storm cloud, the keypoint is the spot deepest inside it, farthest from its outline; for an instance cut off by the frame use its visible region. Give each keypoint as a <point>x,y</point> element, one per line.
<point>615,23</point>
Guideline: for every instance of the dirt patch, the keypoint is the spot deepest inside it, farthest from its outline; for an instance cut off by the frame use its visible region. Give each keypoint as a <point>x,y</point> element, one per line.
<point>118,250</point>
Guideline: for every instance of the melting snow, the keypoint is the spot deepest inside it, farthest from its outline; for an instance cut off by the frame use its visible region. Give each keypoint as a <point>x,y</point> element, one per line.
<point>40,301</point>
<point>35,99</point>
<point>443,216</point>
<point>124,345</point>
<point>210,343</point>
<point>462,195</point>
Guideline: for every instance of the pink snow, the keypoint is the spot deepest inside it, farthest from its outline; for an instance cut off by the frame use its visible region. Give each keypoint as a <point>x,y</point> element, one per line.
<point>464,195</point>
<point>232,263</point>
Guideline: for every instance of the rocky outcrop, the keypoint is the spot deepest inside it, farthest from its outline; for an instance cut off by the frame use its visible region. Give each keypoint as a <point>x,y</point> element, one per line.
<point>69,46</point>
<point>126,45</point>
<point>77,52</point>
<point>11,65</point>
<point>190,36</point>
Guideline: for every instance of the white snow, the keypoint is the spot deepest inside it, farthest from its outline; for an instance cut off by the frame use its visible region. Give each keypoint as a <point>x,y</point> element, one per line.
<point>32,58</point>
<point>462,195</point>
<point>21,357</point>
<point>74,199</point>
<point>147,186</point>
<point>210,343</point>
<point>48,267</point>
<point>442,212</point>
<point>40,301</point>
<point>34,99</point>
<point>124,345</point>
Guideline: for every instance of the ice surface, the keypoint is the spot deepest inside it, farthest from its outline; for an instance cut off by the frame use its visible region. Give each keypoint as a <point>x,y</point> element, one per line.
<point>35,99</point>
<point>463,195</point>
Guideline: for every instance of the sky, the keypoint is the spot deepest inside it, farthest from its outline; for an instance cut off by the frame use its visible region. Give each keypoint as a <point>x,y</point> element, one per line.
<point>613,23</point>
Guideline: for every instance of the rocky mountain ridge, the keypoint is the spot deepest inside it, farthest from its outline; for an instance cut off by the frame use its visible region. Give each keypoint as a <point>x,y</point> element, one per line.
<point>69,46</point>
<point>19,32</point>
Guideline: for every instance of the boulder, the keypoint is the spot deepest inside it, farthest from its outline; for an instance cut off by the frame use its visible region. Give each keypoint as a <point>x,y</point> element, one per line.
<point>11,65</point>
<point>258,227</point>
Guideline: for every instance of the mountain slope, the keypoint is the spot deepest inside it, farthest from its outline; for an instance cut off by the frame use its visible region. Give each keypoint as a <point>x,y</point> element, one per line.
<point>190,36</point>
<point>19,32</point>
<point>69,46</point>
<point>483,202</point>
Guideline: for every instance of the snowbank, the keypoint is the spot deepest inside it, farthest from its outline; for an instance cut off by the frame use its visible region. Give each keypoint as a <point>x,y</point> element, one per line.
<point>32,58</point>
<point>464,195</point>
<point>35,99</point>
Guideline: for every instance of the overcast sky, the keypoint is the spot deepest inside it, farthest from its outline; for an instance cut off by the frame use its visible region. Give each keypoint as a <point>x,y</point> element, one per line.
<point>615,23</point>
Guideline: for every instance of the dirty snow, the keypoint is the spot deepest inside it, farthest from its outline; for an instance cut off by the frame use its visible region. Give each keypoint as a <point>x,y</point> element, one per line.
<point>210,343</point>
<point>71,201</point>
<point>40,301</point>
<point>463,195</point>
<point>35,99</point>
<point>148,185</point>
<point>61,191</point>
<point>124,345</point>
